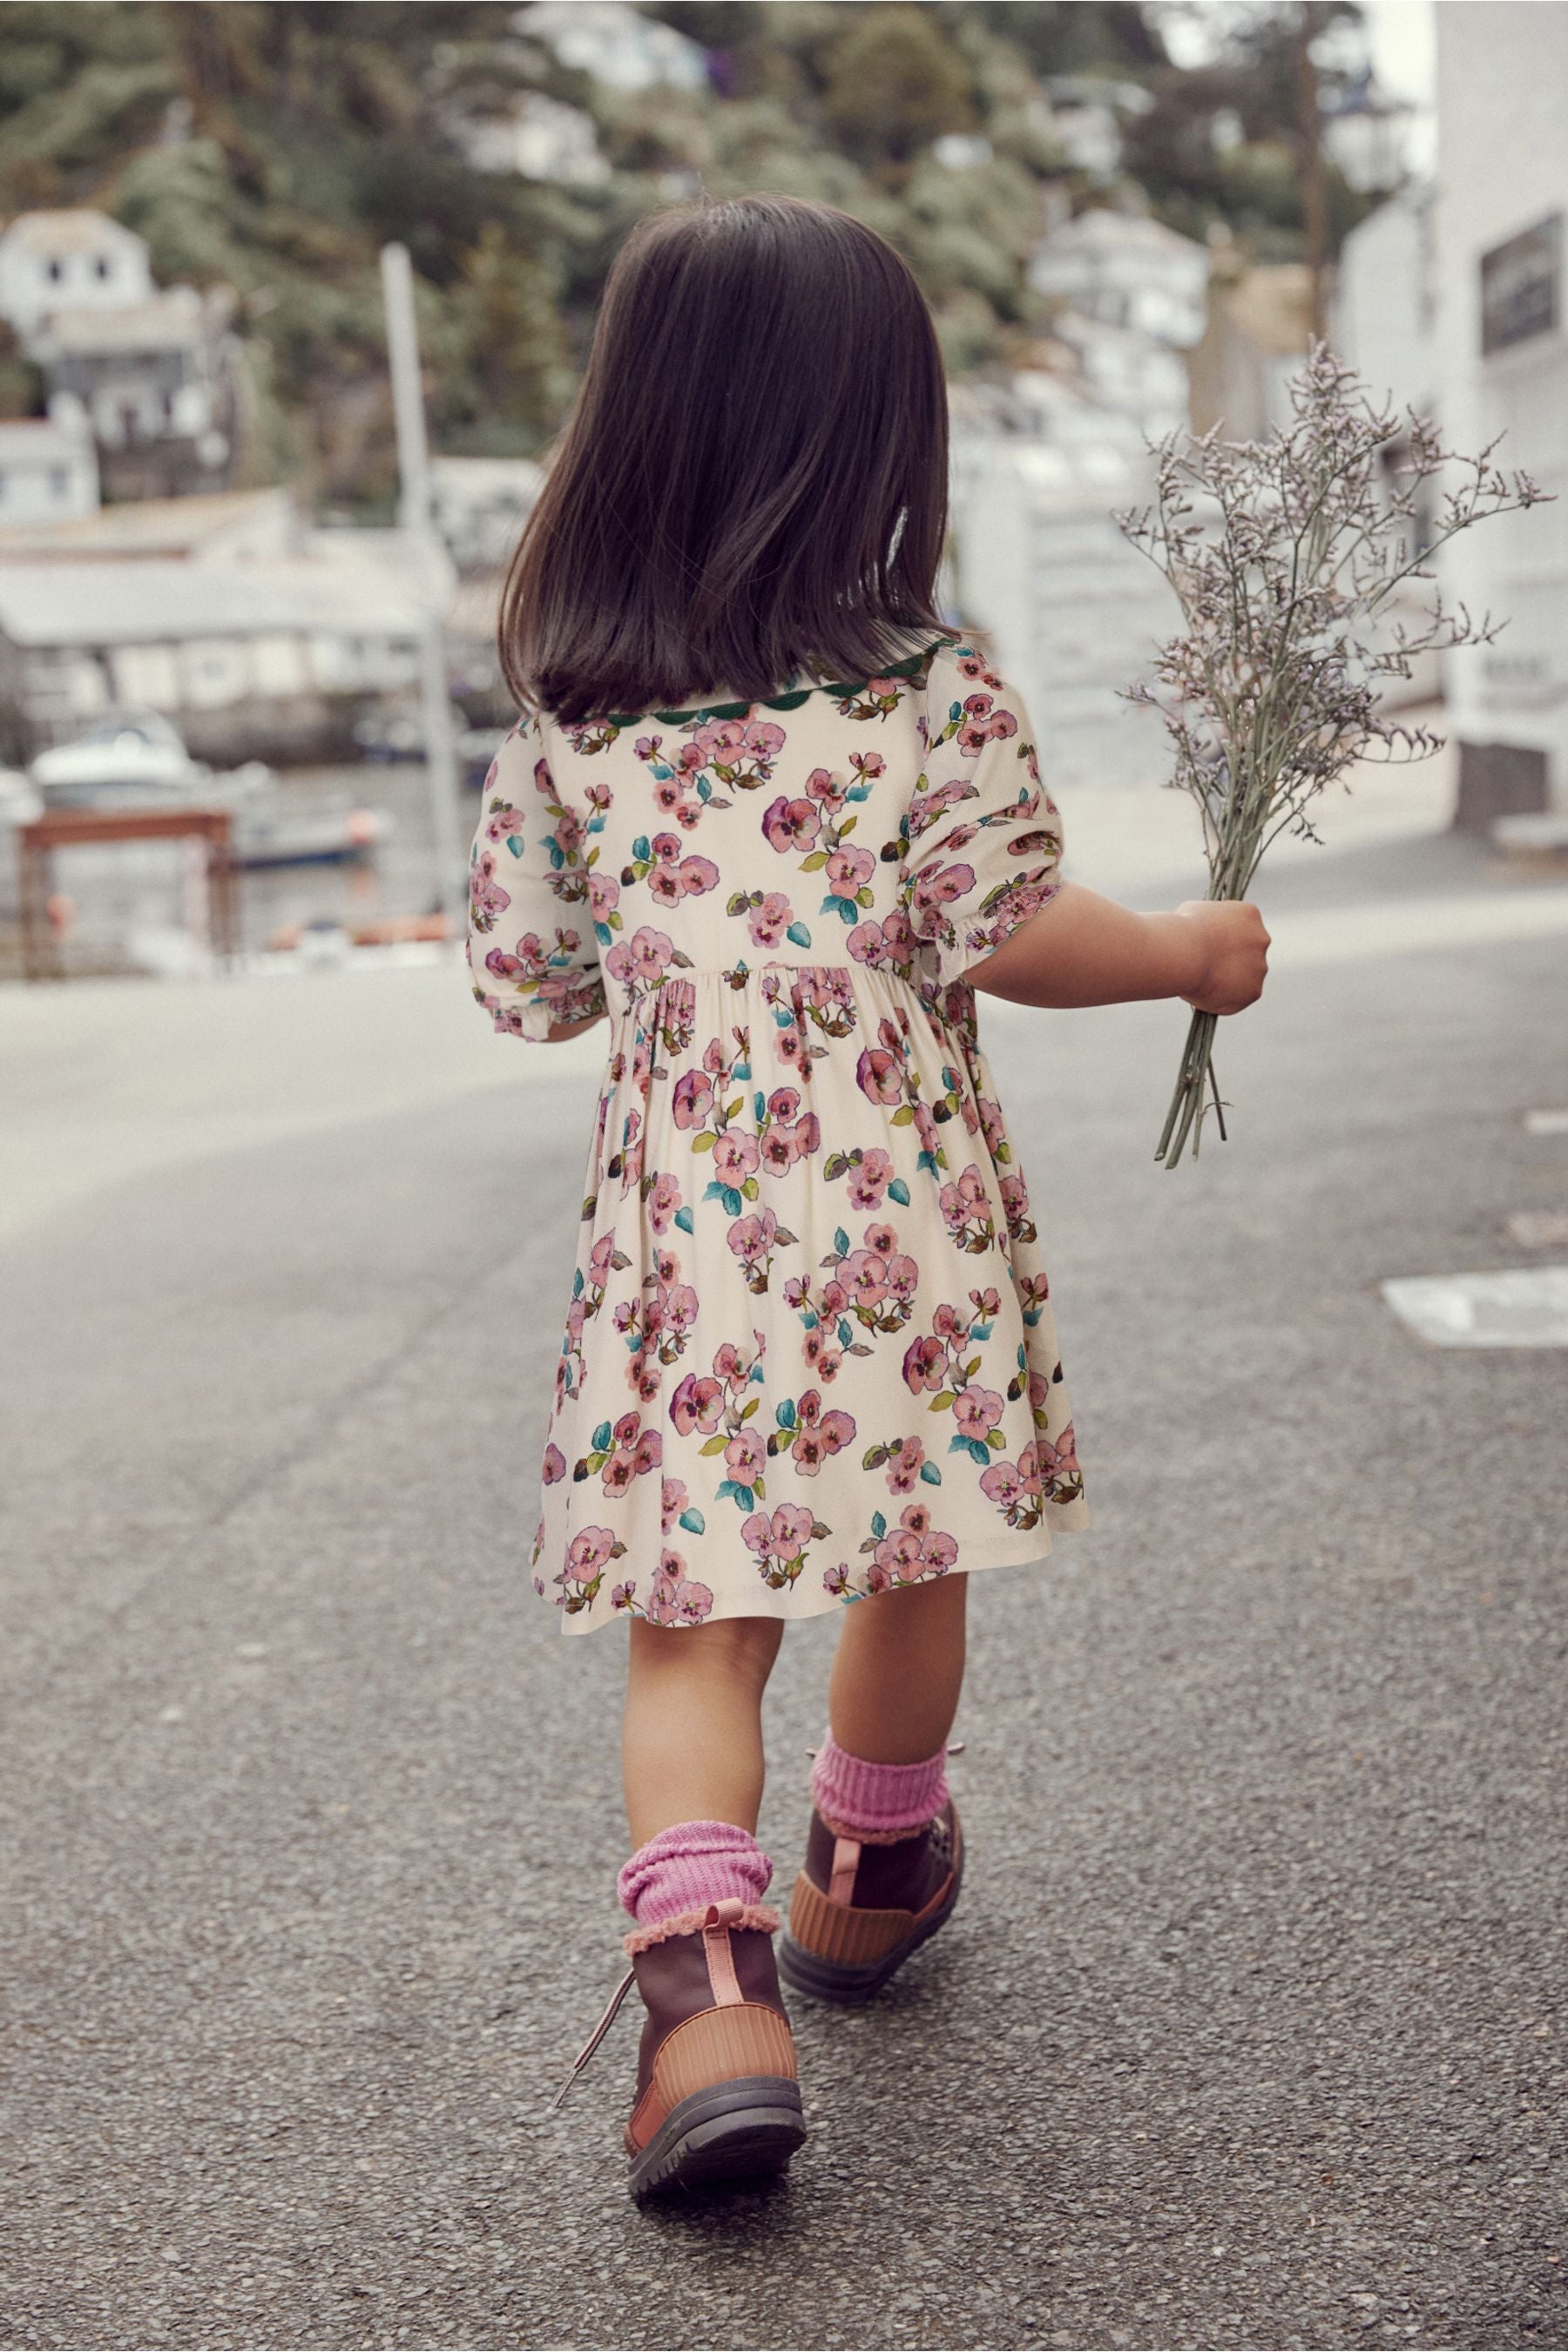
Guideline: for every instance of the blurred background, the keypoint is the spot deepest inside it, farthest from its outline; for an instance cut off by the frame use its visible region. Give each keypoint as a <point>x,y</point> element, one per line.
<point>220,587</point>
<point>309,1822</point>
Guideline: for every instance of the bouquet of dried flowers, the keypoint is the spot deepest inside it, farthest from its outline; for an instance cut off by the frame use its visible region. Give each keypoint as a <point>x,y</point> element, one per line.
<point>1284,555</point>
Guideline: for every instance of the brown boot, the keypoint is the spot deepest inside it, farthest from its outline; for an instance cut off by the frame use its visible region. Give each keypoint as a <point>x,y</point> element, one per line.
<point>860,1909</point>
<point>716,2093</point>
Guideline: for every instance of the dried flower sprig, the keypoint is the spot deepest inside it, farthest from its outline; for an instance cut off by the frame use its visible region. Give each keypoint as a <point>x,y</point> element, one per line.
<point>1284,555</point>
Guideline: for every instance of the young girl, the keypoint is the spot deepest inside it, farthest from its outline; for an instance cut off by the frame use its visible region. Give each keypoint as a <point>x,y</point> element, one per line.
<point>773,821</point>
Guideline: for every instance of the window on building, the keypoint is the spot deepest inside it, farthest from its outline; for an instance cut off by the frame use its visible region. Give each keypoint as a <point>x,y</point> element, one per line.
<point>54,271</point>
<point>59,480</point>
<point>103,267</point>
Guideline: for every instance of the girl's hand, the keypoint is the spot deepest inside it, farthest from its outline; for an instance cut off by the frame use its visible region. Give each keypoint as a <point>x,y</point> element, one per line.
<point>559,1031</point>
<point>1232,948</point>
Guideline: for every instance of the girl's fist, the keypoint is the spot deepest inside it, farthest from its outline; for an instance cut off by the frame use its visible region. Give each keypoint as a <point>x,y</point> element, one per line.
<point>1231,953</point>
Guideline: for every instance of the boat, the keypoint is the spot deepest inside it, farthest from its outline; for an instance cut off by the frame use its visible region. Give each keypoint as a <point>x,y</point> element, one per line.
<point>137,759</point>
<point>127,759</point>
<point>335,834</point>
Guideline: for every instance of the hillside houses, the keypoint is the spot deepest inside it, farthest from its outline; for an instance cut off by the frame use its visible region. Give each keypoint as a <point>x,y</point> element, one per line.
<point>153,374</point>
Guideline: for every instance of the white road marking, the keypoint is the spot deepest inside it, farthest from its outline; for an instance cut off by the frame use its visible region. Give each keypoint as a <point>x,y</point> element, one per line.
<point>1518,1307</point>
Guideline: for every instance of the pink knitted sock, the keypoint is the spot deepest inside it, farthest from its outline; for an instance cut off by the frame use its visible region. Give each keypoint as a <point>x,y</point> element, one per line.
<point>691,1865</point>
<point>878,1803</point>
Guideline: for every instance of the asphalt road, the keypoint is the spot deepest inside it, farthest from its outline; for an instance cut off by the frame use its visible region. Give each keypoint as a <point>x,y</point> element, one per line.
<point>1250,2029</point>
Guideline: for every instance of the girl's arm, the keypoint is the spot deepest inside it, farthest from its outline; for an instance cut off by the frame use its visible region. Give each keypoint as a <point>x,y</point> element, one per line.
<point>1082,949</point>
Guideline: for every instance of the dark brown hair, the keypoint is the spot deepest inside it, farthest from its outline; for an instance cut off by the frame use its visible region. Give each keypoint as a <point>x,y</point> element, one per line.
<point>754,481</point>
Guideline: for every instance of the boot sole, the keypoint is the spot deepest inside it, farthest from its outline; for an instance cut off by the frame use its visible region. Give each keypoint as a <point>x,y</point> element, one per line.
<point>806,1971</point>
<point>743,2130</point>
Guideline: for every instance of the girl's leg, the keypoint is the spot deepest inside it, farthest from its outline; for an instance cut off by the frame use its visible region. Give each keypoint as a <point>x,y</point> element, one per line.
<point>693,1743</point>
<point>717,2094</point>
<point>883,1855</point>
<point>897,1671</point>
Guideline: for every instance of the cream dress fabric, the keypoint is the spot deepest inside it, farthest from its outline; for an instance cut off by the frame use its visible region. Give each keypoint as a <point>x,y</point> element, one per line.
<point>809,1352</point>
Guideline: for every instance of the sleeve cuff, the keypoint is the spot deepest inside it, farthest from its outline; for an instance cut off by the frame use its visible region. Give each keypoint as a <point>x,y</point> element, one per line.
<point>531,1016</point>
<point>981,934</point>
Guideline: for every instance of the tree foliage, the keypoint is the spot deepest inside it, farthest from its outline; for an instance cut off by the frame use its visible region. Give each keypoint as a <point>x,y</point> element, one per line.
<point>896,82</point>
<point>277,147</point>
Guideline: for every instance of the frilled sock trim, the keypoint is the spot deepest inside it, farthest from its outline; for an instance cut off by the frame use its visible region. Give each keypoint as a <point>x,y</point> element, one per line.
<point>760,1916</point>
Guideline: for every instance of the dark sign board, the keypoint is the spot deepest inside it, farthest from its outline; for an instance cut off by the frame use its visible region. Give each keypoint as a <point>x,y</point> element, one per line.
<point>1520,282</point>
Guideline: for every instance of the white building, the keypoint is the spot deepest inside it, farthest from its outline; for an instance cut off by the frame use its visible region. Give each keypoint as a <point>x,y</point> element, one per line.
<point>1126,270</point>
<point>1132,295</point>
<point>1385,325</point>
<point>1039,561</point>
<point>74,259</point>
<point>157,379</point>
<point>1127,373</point>
<point>614,44</point>
<point>1503,367</point>
<point>1386,300</point>
<point>1088,113</point>
<point>480,505</point>
<point>539,137</point>
<point>48,470</point>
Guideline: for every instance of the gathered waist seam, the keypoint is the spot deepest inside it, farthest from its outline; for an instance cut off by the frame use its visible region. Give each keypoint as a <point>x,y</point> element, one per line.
<point>738,976</point>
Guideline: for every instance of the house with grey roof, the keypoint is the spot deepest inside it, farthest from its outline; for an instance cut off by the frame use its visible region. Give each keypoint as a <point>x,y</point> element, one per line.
<point>269,656</point>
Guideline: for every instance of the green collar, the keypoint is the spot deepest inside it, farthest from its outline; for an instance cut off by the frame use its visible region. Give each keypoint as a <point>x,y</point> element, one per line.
<point>839,688</point>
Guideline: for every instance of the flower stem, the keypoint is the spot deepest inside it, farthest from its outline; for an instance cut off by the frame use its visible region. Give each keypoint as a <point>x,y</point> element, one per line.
<point>1187,1102</point>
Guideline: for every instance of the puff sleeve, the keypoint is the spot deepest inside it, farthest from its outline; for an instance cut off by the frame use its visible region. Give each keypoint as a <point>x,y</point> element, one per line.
<point>983,838</point>
<point>532,956</point>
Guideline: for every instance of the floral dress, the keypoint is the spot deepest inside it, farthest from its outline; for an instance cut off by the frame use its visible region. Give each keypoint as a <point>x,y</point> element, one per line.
<point>809,1352</point>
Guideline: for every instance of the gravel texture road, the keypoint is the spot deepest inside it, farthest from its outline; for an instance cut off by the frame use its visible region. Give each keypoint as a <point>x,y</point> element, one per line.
<point>1250,2029</point>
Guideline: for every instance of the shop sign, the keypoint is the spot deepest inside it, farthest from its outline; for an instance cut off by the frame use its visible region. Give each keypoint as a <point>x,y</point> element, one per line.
<point>1520,286</point>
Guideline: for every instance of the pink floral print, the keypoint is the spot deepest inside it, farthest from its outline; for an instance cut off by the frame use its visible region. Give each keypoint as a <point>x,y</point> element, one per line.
<point>809,1354</point>
<point>777,1542</point>
<point>676,1598</point>
<point>911,1552</point>
<point>871,1290</point>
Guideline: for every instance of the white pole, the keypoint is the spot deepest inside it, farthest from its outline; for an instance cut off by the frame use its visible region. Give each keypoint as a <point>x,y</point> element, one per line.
<point>414,514</point>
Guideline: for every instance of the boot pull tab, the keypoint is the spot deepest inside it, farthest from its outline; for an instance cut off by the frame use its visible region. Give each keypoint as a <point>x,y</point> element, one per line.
<point>724,1983</point>
<point>846,1862</point>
